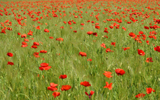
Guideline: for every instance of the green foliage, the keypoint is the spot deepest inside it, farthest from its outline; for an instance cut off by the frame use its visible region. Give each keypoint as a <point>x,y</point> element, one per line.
<point>21,81</point>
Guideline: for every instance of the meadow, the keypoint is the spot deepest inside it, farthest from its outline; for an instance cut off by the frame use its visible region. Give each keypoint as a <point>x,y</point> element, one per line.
<point>80,50</point>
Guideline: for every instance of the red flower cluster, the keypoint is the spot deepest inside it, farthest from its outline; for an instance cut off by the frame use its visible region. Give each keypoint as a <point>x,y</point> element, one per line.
<point>44,66</point>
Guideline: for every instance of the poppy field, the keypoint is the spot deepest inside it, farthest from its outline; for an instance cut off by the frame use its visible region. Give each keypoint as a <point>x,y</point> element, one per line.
<point>80,50</point>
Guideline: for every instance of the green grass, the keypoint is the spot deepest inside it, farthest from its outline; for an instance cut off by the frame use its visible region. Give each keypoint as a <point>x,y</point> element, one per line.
<point>20,81</point>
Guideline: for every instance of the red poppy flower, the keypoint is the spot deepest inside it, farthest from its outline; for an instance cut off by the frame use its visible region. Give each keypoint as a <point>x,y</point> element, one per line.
<point>46,30</point>
<point>132,35</point>
<point>157,48</point>
<point>107,74</point>
<point>106,31</point>
<point>26,40</point>
<point>31,38</point>
<point>128,22</point>
<point>89,59</point>
<point>153,33</point>
<point>109,86</point>
<point>113,43</point>
<point>38,27</point>
<point>89,32</point>
<point>140,95</point>
<point>34,46</point>
<point>124,28</point>
<point>62,76</point>
<point>75,16</point>
<point>82,24</point>
<point>58,54</point>
<point>10,29</point>
<point>85,83</point>
<point>89,95</point>
<point>52,87</point>
<point>19,33</point>
<point>95,34</point>
<point>97,27</point>
<point>43,51</point>
<point>111,27</point>
<point>146,27</point>
<point>70,23</point>
<point>96,24</point>
<point>23,36</point>
<point>109,50</point>
<point>144,37</point>
<point>137,38</point>
<point>44,66</point>
<point>149,90</point>
<point>10,63</point>
<point>141,52</point>
<point>103,45</point>
<point>55,94</point>
<point>105,36</point>
<point>65,87</point>
<point>3,31</point>
<point>155,37</point>
<point>75,31</point>
<point>127,48</point>
<point>82,54</point>
<point>150,36</point>
<point>36,43</point>
<point>30,33</point>
<point>74,22</point>
<point>119,71</point>
<point>62,27</point>
<point>59,39</point>
<point>51,37</point>
<point>36,54</point>
<point>24,45</point>
<point>55,15</point>
<point>10,54</point>
<point>141,32</point>
<point>149,60</point>
<point>88,21</point>
<point>147,42</point>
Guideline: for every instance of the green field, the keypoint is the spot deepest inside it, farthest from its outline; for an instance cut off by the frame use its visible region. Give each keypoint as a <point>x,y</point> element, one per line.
<point>123,35</point>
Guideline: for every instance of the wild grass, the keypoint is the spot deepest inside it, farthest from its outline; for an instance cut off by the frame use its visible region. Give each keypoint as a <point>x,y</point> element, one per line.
<point>21,81</point>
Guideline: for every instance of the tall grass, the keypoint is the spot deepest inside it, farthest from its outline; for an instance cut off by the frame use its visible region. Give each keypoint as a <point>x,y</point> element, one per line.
<point>21,81</point>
